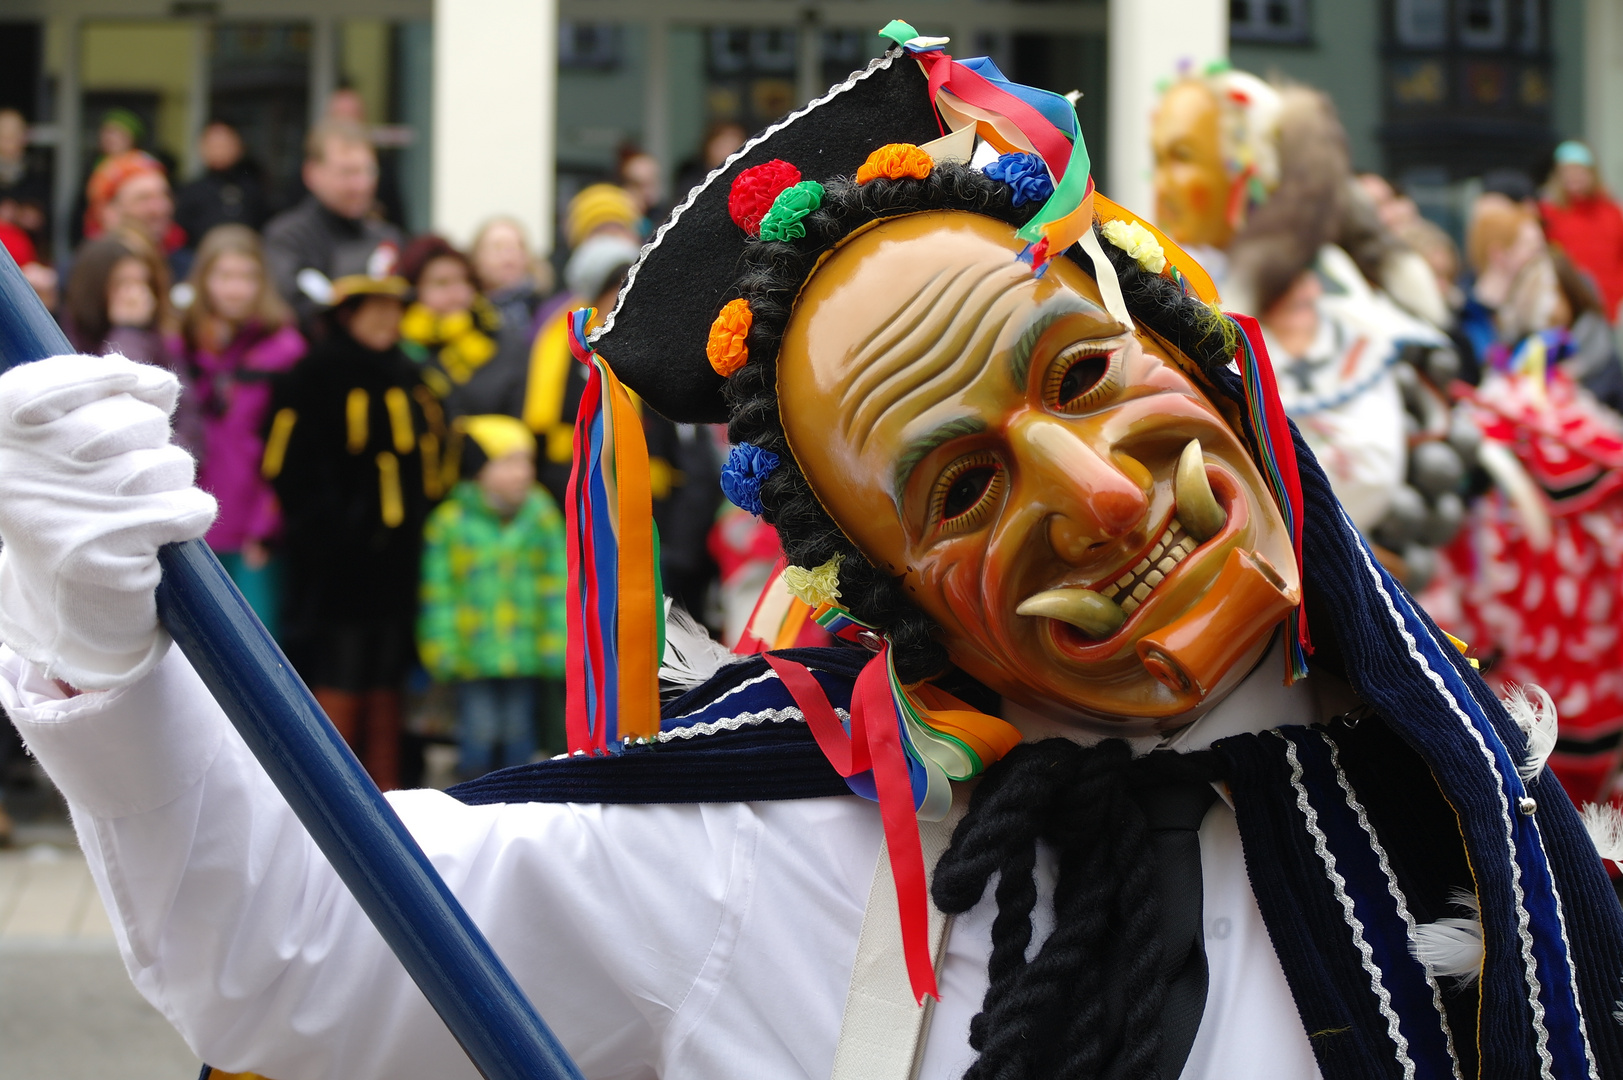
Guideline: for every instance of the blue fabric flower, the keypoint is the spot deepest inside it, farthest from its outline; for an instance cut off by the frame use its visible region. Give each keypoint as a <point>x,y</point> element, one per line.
<point>741,477</point>
<point>1026,173</point>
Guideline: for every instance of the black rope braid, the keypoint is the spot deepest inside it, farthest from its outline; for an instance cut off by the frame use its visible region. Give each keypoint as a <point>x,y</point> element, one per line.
<point>1088,1005</point>
<point>773,275</point>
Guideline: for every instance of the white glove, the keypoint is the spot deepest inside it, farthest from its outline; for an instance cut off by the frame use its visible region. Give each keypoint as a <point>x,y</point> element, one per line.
<point>90,488</point>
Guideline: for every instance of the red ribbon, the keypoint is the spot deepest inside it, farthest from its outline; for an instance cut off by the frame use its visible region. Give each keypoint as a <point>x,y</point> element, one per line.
<point>877,745</point>
<point>848,753</point>
<point>1284,450</point>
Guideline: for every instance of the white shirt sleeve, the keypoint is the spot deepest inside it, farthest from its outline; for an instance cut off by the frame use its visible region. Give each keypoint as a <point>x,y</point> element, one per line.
<point>233,924</point>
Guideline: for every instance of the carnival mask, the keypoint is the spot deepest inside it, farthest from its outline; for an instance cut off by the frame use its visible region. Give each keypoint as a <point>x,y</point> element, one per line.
<point>1051,486</point>
<point>1193,189</point>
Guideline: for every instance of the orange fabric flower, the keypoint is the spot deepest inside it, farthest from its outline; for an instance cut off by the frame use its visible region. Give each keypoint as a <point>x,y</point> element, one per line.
<point>726,348</point>
<point>896,161</point>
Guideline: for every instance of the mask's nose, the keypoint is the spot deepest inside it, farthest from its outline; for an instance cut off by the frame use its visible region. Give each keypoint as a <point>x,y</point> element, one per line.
<point>1091,500</point>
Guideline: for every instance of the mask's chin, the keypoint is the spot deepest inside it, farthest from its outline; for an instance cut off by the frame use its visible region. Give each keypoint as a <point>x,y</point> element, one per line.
<point>1040,718</point>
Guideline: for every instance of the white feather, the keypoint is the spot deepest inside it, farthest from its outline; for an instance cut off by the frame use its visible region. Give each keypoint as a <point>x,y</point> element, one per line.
<point>1534,713</point>
<point>692,656</point>
<point>1604,822</point>
<point>1452,948</point>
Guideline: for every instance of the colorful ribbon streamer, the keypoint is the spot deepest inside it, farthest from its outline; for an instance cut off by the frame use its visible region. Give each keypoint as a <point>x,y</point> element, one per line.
<point>1276,456</point>
<point>903,748</point>
<point>616,630</point>
<point>1014,117</point>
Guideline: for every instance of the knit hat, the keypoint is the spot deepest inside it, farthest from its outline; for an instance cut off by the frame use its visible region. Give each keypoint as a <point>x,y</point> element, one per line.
<point>1573,152</point>
<point>590,268</point>
<point>598,206</point>
<point>491,437</point>
<point>112,174</point>
<point>124,118</point>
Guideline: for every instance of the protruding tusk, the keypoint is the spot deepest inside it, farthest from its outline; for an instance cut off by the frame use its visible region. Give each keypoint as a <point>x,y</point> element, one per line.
<point>1096,616</point>
<point>1198,508</point>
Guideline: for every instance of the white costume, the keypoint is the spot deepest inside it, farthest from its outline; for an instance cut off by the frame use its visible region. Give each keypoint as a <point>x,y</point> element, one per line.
<point>711,941</point>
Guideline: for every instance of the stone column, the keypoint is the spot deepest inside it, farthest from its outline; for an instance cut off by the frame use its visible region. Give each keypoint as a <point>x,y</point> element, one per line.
<point>1603,87</point>
<point>1148,41</point>
<point>495,106</point>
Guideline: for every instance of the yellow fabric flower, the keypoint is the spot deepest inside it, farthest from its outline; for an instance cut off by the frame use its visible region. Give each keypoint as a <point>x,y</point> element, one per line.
<point>726,348</point>
<point>1139,243</point>
<point>418,324</point>
<point>896,161</point>
<point>466,353</point>
<point>455,324</point>
<point>817,586</point>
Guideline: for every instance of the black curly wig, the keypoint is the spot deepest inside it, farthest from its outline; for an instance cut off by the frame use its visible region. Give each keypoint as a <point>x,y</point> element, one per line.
<point>773,277</point>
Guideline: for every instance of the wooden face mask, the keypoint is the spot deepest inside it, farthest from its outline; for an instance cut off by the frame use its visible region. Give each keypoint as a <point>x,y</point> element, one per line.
<point>1050,486</point>
<point>1193,190</point>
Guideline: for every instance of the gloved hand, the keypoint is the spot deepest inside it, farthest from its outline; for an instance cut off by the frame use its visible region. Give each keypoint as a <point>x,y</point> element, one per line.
<point>90,488</point>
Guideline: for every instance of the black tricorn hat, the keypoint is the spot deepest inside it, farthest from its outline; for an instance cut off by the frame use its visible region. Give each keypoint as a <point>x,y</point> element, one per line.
<point>655,337</point>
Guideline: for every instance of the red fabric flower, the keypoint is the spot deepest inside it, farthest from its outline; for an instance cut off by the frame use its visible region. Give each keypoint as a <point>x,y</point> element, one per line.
<point>754,189</point>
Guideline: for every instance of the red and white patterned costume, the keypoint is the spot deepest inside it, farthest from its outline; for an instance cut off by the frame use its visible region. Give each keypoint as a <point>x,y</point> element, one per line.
<point>1549,614</point>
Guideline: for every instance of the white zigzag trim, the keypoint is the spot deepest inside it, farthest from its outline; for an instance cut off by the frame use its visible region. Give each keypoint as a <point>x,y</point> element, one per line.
<point>1523,919</point>
<point>877,64</point>
<point>1397,894</point>
<point>1321,845</point>
<point>745,685</point>
<point>742,720</point>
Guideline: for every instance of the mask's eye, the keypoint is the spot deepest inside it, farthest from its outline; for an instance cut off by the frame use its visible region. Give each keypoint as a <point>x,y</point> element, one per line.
<point>966,492</point>
<point>1082,376</point>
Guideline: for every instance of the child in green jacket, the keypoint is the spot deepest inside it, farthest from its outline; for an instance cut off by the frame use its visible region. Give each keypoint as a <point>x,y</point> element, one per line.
<point>492,615</point>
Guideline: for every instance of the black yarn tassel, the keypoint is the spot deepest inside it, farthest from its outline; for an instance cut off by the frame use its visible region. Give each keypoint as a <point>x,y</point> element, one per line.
<point>1088,1005</point>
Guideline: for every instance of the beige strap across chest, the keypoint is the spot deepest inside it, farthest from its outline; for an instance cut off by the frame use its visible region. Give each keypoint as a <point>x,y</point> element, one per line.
<point>882,1032</point>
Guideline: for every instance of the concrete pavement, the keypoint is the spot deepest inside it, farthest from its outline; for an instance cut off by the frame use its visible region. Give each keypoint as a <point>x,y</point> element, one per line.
<point>67,1009</point>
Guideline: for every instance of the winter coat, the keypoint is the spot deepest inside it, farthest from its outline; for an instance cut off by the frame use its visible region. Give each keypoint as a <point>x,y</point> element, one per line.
<point>310,236</point>
<point>1590,231</point>
<point>470,359</point>
<point>492,590</point>
<point>353,451</point>
<point>232,392</point>
<point>233,196</point>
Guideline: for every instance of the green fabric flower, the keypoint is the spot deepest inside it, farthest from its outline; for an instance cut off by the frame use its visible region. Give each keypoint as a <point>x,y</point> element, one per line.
<point>782,222</point>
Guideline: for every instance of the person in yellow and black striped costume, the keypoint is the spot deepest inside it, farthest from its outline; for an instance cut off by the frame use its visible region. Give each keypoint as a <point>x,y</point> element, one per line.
<point>357,453</point>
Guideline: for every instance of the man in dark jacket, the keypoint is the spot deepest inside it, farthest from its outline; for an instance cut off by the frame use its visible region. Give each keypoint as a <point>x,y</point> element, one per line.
<point>229,192</point>
<point>333,231</point>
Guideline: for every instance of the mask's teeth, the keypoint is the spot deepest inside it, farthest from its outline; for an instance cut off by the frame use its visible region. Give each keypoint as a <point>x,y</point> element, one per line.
<point>1094,615</point>
<point>1198,508</point>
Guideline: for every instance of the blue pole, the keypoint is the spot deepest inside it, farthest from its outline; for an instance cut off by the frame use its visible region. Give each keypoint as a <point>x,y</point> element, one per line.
<point>307,759</point>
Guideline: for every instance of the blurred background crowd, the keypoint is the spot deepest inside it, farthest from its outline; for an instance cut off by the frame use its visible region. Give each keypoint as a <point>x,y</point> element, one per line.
<point>1411,196</point>
<point>387,420</point>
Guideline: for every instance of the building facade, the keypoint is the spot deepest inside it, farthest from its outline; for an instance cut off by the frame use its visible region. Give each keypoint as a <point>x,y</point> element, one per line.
<point>485,106</point>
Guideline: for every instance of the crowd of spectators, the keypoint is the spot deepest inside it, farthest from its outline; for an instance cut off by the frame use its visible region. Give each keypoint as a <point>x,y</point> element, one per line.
<point>1536,259</point>
<point>385,420</point>
<point>1531,580</point>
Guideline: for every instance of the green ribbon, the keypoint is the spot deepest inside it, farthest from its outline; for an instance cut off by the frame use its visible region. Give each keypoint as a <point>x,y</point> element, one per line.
<point>899,32</point>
